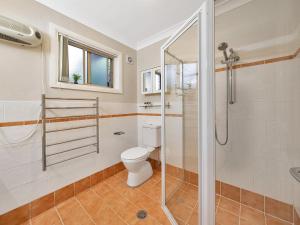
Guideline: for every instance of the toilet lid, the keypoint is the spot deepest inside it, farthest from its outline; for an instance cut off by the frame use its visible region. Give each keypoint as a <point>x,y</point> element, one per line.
<point>134,153</point>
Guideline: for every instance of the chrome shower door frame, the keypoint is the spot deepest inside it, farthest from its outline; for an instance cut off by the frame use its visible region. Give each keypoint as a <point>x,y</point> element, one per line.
<point>206,113</point>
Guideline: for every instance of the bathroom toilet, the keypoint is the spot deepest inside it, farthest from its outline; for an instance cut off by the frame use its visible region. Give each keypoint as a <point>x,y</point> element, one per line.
<point>135,159</point>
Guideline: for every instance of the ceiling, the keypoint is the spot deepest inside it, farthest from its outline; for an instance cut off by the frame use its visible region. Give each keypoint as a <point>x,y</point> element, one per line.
<point>255,28</point>
<point>132,22</point>
<point>260,28</point>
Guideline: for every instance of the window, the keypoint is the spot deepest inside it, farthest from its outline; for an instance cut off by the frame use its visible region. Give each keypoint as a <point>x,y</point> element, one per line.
<point>80,64</point>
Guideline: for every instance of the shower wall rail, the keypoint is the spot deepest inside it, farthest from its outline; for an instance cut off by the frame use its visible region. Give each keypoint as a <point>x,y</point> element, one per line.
<point>94,104</point>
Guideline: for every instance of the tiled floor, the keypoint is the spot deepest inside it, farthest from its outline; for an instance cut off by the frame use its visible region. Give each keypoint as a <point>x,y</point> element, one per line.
<point>229,212</point>
<point>182,203</point>
<point>110,202</point>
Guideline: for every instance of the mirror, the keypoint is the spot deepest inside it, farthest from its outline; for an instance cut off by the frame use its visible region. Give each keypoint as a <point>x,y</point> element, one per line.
<point>151,81</point>
<point>157,80</point>
<point>147,82</point>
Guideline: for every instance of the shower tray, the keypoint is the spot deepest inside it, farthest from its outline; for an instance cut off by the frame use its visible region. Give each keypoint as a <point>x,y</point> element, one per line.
<point>295,172</point>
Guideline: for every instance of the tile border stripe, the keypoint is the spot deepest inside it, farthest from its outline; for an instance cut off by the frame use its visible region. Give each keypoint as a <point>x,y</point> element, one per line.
<point>77,118</point>
<point>262,62</point>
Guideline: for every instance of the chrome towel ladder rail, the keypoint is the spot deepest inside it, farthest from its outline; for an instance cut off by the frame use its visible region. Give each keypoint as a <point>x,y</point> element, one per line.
<point>45,120</point>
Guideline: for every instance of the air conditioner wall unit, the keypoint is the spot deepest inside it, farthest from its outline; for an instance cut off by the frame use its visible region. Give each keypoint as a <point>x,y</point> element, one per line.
<point>18,33</point>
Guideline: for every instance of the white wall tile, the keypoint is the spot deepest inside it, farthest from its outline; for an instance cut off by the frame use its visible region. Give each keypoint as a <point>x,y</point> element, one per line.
<point>264,131</point>
<point>21,177</point>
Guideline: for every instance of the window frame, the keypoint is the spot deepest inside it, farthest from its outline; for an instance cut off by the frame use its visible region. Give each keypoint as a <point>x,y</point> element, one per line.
<point>89,45</point>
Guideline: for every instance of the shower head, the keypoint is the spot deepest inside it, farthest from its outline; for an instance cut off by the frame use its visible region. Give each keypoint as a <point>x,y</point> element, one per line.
<point>222,47</point>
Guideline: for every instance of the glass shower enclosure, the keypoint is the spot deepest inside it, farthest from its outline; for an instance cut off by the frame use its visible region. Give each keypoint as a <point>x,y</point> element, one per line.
<point>186,59</point>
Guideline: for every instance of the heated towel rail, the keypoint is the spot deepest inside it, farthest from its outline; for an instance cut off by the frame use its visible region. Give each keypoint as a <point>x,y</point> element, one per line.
<point>93,105</point>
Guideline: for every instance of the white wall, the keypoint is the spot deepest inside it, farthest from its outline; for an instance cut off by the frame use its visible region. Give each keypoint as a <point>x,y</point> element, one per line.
<point>21,72</point>
<point>21,68</point>
<point>264,129</point>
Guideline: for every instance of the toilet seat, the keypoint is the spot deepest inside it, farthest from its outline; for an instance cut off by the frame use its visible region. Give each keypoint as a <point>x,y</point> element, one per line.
<point>135,153</point>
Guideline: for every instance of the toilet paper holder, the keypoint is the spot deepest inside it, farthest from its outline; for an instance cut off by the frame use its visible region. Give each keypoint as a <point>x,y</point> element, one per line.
<point>119,133</point>
<point>295,172</point>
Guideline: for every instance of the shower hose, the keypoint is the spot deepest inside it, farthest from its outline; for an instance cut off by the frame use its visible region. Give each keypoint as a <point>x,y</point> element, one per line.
<point>228,68</point>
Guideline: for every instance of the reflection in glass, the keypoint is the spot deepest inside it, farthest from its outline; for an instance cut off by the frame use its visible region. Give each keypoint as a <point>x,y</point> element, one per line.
<point>181,132</point>
<point>157,80</point>
<point>147,82</point>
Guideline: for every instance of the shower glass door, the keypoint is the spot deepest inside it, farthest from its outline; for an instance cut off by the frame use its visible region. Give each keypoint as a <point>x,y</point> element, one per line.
<point>182,148</point>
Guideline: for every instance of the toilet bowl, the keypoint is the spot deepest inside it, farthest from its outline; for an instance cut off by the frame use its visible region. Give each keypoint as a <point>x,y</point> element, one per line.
<point>139,170</point>
<point>135,159</point>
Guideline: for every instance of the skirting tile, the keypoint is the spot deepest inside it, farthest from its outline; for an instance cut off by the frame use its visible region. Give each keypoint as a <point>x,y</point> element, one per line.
<point>40,205</point>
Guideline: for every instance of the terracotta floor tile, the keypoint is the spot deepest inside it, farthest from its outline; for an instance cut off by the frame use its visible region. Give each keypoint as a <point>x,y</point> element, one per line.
<point>107,217</point>
<point>112,202</point>
<point>188,198</point>
<point>122,175</point>
<point>252,216</point>
<point>193,220</point>
<point>140,199</point>
<point>50,217</point>
<point>156,175</point>
<point>155,193</point>
<point>149,220</point>
<point>146,203</point>
<point>230,206</point>
<point>180,222</point>
<point>148,186</point>
<point>188,187</point>
<point>71,213</point>
<point>121,188</point>
<point>101,188</point>
<point>91,202</point>
<point>159,215</point>
<point>126,210</point>
<point>111,198</point>
<point>246,222</point>
<point>180,211</point>
<point>26,223</point>
<point>225,218</point>
<point>113,181</point>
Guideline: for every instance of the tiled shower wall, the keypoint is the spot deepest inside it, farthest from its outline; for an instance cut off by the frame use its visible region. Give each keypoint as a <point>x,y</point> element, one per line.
<point>264,128</point>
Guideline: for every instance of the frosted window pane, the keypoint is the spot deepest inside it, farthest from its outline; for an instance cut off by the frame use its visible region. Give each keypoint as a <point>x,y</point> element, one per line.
<point>75,63</point>
<point>100,71</point>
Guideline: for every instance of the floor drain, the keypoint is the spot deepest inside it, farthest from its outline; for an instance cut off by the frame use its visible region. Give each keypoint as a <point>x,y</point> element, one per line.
<point>142,214</point>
